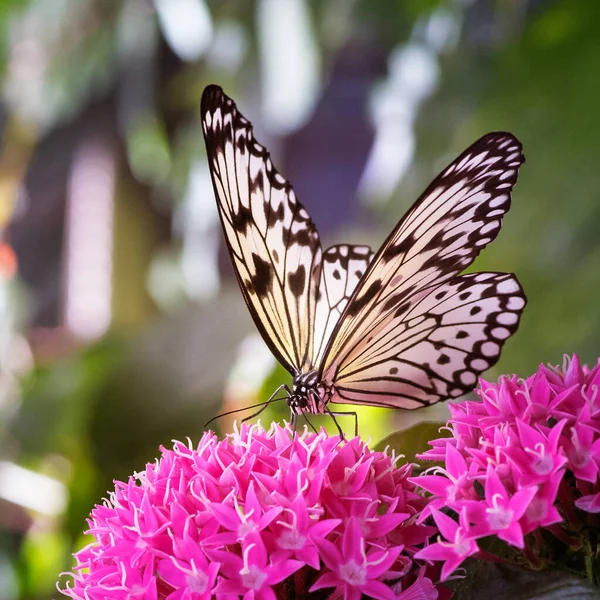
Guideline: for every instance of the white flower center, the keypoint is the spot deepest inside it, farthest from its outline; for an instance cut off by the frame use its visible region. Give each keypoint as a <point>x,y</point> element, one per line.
<point>197,582</point>
<point>253,578</point>
<point>498,517</point>
<point>353,573</point>
<point>291,540</point>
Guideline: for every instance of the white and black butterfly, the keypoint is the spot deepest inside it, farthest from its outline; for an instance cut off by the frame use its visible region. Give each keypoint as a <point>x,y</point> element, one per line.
<point>401,328</point>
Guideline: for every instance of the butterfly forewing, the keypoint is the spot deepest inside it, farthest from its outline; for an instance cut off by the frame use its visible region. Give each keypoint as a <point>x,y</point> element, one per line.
<point>437,349</point>
<point>444,231</point>
<point>458,215</point>
<point>273,243</point>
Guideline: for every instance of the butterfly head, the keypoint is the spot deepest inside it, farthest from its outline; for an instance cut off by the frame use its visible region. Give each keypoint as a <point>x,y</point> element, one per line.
<point>305,395</point>
<point>298,403</point>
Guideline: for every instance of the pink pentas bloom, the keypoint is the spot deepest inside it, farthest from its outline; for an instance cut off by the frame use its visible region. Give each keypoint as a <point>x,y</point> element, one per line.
<point>421,589</point>
<point>252,575</point>
<point>254,516</point>
<point>458,544</point>
<point>452,483</point>
<point>351,571</point>
<point>589,503</point>
<point>524,456</point>
<point>501,512</point>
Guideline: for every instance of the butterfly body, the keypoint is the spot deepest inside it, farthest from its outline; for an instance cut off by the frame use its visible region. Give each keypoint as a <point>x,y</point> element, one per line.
<point>308,394</point>
<point>399,328</point>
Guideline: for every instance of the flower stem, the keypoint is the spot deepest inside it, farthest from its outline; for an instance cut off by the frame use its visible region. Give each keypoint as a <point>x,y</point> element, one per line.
<point>588,559</point>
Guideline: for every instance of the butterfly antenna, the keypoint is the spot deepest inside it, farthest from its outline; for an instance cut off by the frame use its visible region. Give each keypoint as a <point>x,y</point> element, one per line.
<point>263,407</point>
<point>262,404</point>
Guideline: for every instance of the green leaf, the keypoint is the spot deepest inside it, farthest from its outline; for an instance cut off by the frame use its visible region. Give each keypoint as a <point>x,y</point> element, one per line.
<point>413,440</point>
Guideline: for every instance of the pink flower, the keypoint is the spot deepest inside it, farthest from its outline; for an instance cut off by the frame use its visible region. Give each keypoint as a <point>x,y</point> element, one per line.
<point>500,512</point>
<point>353,572</point>
<point>537,457</point>
<point>452,484</point>
<point>458,545</point>
<point>525,455</point>
<point>253,514</point>
<point>295,532</point>
<point>252,575</point>
<point>589,503</point>
<point>421,589</point>
<point>193,576</point>
<point>583,449</point>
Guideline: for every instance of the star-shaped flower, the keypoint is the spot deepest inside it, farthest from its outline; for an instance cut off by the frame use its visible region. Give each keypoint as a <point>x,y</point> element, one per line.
<point>353,571</point>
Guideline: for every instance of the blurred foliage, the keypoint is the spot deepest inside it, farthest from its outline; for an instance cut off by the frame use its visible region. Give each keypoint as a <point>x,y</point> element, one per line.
<point>58,410</point>
<point>412,441</point>
<point>71,69</point>
<point>538,87</point>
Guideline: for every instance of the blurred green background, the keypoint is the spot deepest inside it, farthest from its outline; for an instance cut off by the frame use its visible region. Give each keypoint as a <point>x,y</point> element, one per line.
<point>121,326</point>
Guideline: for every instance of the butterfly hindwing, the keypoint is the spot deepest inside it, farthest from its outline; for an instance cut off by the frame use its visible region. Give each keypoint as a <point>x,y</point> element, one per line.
<point>343,268</point>
<point>273,243</point>
<point>438,348</point>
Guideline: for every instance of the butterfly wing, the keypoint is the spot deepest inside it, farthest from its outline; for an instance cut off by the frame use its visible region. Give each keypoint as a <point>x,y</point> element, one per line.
<point>273,243</point>
<point>457,216</point>
<point>343,267</point>
<point>434,348</point>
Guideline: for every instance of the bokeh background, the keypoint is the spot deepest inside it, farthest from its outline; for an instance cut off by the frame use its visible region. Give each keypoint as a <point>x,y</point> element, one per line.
<point>121,326</point>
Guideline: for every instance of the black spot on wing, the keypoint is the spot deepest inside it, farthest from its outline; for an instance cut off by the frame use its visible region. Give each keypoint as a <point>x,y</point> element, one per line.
<point>402,309</point>
<point>258,183</point>
<point>243,219</point>
<point>364,298</point>
<point>241,145</point>
<point>275,216</point>
<point>397,249</point>
<point>297,281</point>
<point>302,237</point>
<point>262,278</point>
<point>393,301</point>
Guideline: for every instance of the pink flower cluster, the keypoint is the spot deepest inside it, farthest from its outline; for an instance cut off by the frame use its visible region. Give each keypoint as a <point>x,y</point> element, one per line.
<point>522,457</point>
<point>257,515</point>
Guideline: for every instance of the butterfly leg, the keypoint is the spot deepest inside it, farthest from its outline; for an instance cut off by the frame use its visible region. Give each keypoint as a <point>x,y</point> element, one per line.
<point>310,424</point>
<point>347,414</point>
<point>294,420</point>
<point>332,415</point>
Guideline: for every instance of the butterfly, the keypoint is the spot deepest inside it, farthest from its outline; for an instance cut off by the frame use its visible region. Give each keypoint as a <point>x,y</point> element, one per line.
<point>399,328</point>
